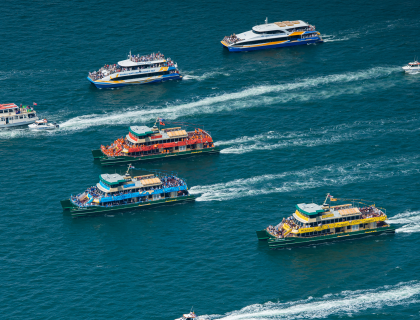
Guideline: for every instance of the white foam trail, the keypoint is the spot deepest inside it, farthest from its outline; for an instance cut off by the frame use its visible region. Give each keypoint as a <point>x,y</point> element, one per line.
<point>6,134</point>
<point>238,100</point>
<point>332,175</point>
<point>299,142</point>
<point>333,39</point>
<point>312,138</point>
<point>207,75</point>
<point>411,219</point>
<point>346,303</point>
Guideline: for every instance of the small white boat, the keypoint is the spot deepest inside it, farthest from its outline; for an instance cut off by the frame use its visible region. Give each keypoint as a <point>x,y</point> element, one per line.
<point>189,316</point>
<point>43,125</point>
<point>412,67</point>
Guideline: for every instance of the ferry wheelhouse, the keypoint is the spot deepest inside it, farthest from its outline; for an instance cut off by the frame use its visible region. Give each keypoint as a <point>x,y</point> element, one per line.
<point>11,115</point>
<point>145,143</point>
<point>273,35</point>
<point>314,224</point>
<point>412,67</point>
<point>188,316</point>
<point>115,192</point>
<point>136,69</point>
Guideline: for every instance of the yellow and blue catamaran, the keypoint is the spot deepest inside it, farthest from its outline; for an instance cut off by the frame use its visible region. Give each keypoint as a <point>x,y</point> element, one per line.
<point>273,35</point>
<point>136,69</point>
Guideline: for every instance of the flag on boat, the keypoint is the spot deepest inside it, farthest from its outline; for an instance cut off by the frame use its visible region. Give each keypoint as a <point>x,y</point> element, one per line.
<point>333,199</point>
<point>35,104</point>
<point>161,121</point>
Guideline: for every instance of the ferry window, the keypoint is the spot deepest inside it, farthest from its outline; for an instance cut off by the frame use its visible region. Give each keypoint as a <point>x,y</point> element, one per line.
<point>1,111</point>
<point>2,119</point>
<point>21,117</point>
<point>274,32</point>
<point>16,117</point>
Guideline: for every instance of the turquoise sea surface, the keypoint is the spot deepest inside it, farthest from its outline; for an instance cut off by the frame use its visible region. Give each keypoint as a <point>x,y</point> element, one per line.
<point>293,124</point>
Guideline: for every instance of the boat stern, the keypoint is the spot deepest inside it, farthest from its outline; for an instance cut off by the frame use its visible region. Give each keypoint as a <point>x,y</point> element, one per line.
<point>67,205</point>
<point>97,153</point>
<point>263,235</point>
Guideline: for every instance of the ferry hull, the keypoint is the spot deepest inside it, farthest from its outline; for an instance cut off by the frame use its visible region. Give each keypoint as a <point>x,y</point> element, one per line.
<point>123,160</point>
<point>290,242</point>
<point>280,45</point>
<point>115,84</point>
<point>69,207</point>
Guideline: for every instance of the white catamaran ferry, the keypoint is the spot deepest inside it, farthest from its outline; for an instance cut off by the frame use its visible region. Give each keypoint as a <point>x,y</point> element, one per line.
<point>11,115</point>
<point>273,35</point>
<point>136,70</point>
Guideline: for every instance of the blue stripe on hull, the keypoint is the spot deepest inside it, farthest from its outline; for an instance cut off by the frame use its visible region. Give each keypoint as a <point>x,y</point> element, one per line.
<point>280,45</point>
<point>102,85</point>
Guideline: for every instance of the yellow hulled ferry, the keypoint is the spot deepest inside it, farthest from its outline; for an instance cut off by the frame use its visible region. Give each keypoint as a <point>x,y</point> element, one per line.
<point>313,224</point>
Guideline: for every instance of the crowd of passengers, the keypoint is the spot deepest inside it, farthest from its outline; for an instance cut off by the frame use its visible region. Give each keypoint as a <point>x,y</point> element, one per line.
<point>113,68</point>
<point>231,39</point>
<point>308,28</point>
<point>167,182</point>
<point>151,57</point>
<point>370,212</point>
<point>278,231</point>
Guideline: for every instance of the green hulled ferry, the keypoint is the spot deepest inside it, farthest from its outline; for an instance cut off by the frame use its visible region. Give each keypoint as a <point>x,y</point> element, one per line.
<point>314,224</point>
<point>115,192</point>
<point>144,143</point>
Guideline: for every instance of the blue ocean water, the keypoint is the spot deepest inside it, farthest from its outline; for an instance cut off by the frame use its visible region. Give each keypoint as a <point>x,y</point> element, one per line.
<point>293,124</point>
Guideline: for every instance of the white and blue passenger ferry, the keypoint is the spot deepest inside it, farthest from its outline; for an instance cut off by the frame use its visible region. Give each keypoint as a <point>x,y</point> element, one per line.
<point>273,35</point>
<point>136,69</point>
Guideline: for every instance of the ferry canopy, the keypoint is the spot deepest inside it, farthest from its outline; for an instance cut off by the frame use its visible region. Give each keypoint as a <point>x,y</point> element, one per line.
<point>310,209</point>
<point>112,179</point>
<point>8,106</point>
<point>141,131</point>
<point>128,63</point>
<point>279,26</point>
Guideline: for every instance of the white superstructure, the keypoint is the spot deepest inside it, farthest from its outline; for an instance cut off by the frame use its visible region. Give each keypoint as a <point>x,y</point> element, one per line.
<point>412,67</point>
<point>11,115</point>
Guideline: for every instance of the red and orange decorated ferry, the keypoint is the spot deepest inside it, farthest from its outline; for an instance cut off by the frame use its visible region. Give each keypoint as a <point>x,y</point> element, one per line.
<point>145,143</point>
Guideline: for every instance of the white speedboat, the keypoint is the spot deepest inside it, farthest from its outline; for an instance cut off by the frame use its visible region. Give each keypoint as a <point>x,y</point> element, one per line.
<point>43,125</point>
<point>189,316</point>
<point>11,115</point>
<point>412,67</point>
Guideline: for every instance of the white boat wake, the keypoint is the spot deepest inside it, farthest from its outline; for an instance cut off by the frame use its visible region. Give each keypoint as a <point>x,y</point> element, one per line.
<point>331,175</point>
<point>410,219</point>
<point>207,75</point>
<point>344,304</point>
<point>312,138</point>
<point>247,98</point>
